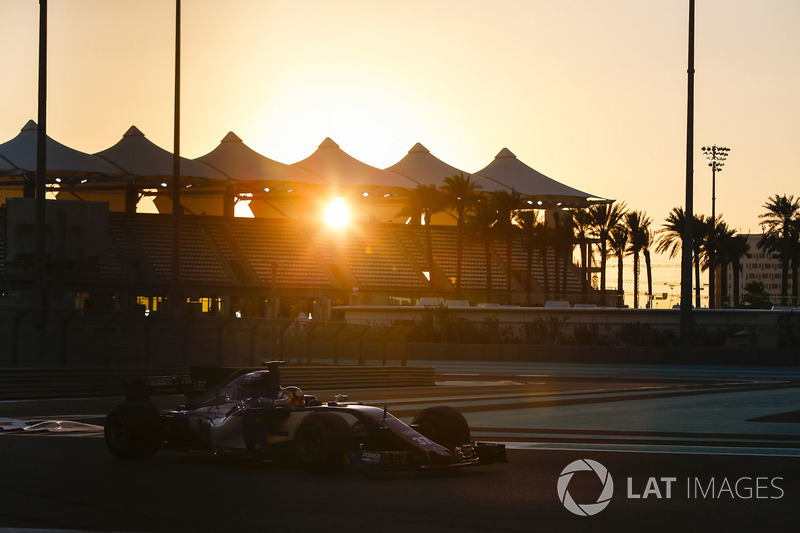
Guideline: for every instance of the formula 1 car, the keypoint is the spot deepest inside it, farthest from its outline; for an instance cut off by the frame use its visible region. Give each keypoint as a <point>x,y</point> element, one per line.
<point>247,413</point>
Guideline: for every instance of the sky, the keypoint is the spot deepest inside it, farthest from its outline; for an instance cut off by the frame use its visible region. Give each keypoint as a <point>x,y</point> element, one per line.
<point>589,92</point>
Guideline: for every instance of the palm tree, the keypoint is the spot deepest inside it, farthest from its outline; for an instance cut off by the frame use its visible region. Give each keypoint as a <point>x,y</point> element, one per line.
<point>710,252</point>
<point>700,236</point>
<point>713,232</point>
<point>755,296</point>
<point>460,193</point>
<point>780,226</point>
<point>604,217</point>
<point>481,223</point>
<point>420,205</point>
<point>618,244</point>
<point>530,223</point>
<point>671,238</point>
<point>506,204</point>
<point>647,242</point>
<point>583,227</point>
<point>796,262</point>
<point>563,235</point>
<point>723,241</point>
<point>542,239</point>
<point>736,249</point>
<point>638,224</point>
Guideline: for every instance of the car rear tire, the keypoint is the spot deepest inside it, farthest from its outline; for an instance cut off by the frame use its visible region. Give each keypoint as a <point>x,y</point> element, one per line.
<point>321,441</point>
<point>133,430</point>
<point>443,425</point>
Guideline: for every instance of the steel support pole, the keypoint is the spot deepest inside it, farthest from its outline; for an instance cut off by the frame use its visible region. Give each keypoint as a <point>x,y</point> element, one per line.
<point>688,233</point>
<point>39,267</point>
<point>176,170</point>
<point>712,263</point>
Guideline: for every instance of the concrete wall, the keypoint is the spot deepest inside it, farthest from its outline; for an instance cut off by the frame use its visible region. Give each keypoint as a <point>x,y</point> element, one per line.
<point>108,339</point>
<point>600,354</point>
<point>98,339</point>
<point>752,329</point>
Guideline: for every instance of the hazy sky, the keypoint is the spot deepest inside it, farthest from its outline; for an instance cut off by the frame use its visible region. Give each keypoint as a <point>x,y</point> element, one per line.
<point>589,92</point>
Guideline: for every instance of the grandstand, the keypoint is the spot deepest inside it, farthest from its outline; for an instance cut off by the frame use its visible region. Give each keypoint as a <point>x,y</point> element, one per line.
<point>277,268</point>
<point>285,261</point>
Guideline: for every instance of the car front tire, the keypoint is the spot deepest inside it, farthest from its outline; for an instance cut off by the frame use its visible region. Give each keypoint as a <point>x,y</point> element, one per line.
<point>321,441</point>
<point>443,425</point>
<point>133,430</point>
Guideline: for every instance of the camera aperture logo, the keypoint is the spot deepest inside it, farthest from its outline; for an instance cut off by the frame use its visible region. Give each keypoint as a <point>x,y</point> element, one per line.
<point>585,509</point>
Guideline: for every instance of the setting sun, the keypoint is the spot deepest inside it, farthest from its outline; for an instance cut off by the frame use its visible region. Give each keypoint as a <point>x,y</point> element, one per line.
<point>337,215</point>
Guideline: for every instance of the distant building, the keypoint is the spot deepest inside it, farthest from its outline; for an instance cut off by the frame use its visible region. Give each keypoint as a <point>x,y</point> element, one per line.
<point>762,266</point>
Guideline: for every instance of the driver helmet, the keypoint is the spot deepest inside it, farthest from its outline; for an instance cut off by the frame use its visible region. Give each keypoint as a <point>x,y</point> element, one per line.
<point>295,395</point>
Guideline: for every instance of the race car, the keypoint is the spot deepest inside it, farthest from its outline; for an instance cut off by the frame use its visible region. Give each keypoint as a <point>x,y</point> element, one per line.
<point>247,413</point>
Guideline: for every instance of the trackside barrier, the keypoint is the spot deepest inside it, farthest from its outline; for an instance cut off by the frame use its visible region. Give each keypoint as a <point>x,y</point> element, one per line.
<point>38,383</point>
<point>69,338</point>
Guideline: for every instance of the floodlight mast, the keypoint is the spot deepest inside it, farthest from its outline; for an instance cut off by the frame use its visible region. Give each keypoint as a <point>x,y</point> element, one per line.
<point>716,156</point>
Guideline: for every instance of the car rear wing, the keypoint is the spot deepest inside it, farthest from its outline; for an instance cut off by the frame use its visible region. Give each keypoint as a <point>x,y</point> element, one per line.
<point>199,380</point>
<point>141,389</point>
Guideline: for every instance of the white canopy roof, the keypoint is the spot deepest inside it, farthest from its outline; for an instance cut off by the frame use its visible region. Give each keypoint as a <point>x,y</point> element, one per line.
<point>140,157</point>
<point>62,161</point>
<point>332,164</point>
<point>423,167</point>
<point>511,173</point>
<point>240,162</point>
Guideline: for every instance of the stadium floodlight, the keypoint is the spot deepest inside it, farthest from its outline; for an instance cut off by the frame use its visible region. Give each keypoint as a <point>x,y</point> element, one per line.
<point>337,215</point>
<point>715,156</point>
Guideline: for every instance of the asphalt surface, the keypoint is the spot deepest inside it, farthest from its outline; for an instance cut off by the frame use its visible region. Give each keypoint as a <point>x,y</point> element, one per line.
<point>684,451</point>
<point>73,483</point>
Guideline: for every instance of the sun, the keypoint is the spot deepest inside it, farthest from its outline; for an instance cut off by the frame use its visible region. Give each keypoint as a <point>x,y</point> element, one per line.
<point>337,215</point>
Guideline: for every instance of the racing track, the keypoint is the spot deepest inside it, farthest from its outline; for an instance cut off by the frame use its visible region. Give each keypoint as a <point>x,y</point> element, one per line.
<point>690,426</point>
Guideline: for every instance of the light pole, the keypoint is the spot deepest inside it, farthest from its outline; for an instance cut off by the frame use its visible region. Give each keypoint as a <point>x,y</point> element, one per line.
<point>40,268</point>
<point>176,171</point>
<point>688,230</point>
<point>716,156</point>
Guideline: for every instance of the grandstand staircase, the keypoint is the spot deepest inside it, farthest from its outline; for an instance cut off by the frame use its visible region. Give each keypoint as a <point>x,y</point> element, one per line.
<point>413,248</point>
<point>333,264</point>
<point>125,244</point>
<point>225,247</point>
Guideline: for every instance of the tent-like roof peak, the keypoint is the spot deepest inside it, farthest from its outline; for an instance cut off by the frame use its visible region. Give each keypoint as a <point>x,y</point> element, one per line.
<point>62,161</point>
<point>133,131</point>
<point>139,156</point>
<point>328,143</point>
<point>419,149</point>
<point>423,168</point>
<point>235,159</point>
<point>231,138</point>
<point>511,173</point>
<point>339,168</point>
